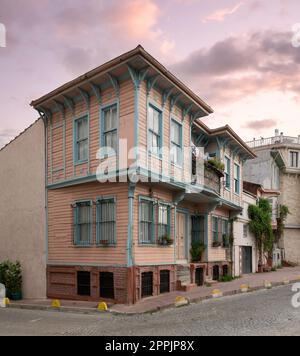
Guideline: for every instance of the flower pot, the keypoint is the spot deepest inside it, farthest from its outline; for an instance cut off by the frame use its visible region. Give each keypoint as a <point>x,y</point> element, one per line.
<point>16,296</point>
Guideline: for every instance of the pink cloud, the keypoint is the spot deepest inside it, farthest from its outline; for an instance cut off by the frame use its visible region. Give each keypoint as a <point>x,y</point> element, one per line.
<point>221,14</point>
<point>258,125</point>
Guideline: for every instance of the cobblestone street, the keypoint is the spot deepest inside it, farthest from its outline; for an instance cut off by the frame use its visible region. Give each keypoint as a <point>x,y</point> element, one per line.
<point>260,313</point>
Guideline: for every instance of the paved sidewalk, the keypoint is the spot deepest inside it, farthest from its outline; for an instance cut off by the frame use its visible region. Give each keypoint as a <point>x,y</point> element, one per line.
<point>154,304</point>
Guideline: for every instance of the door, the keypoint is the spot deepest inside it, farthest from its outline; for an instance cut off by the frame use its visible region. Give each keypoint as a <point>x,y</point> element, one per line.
<point>181,237</point>
<point>198,229</point>
<point>247,260</point>
<point>164,281</point>
<point>199,277</point>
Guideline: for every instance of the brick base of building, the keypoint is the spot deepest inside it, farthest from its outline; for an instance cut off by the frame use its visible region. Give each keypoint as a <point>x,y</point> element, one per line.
<point>62,283</point>
<point>130,284</point>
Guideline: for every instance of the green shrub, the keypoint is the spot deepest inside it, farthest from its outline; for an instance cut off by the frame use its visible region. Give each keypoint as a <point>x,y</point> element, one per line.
<point>11,276</point>
<point>226,279</point>
<point>197,251</point>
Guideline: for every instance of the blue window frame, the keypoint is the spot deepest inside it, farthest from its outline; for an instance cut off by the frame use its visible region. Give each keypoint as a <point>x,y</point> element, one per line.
<point>215,229</point>
<point>164,222</point>
<point>83,223</point>
<point>154,130</point>
<point>176,142</point>
<point>146,222</point>
<point>81,140</point>
<point>106,221</point>
<point>109,129</point>
<point>237,179</point>
<point>227,172</point>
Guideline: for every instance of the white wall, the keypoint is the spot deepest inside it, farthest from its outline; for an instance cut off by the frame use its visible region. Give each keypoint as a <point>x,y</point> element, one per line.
<point>240,240</point>
<point>22,208</point>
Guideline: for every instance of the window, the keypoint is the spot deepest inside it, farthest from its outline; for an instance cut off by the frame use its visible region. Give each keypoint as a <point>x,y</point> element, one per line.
<point>146,222</point>
<point>81,140</point>
<point>237,179</point>
<point>225,237</point>
<point>106,282</point>
<point>82,223</point>
<point>215,229</point>
<point>155,128</point>
<point>163,221</point>
<point>110,129</point>
<point>176,142</point>
<point>164,281</point>
<point>294,159</point>
<point>106,221</point>
<point>147,284</point>
<point>245,231</point>
<point>227,172</point>
<point>84,283</point>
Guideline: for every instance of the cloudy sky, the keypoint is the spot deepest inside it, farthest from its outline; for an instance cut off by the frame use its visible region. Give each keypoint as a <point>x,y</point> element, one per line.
<point>236,54</point>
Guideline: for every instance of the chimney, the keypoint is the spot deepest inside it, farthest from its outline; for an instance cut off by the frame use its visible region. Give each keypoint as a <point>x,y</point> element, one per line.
<point>276,133</point>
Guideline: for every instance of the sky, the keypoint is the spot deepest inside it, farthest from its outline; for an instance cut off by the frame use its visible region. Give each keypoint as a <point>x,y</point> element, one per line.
<point>241,56</point>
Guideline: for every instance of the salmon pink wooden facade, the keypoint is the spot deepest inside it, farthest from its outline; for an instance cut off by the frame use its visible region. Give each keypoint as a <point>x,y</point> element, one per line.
<point>128,198</point>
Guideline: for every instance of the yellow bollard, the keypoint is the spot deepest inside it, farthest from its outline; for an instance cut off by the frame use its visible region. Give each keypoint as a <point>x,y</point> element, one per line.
<point>216,293</point>
<point>102,307</point>
<point>244,288</point>
<point>268,285</point>
<point>55,304</point>
<point>181,301</point>
<point>6,302</point>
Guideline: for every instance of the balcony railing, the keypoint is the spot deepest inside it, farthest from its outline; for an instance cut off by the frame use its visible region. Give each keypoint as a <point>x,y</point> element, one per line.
<point>211,178</point>
<point>276,140</point>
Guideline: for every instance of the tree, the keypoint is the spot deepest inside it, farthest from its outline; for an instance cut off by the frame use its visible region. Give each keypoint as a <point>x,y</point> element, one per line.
<point>283,214</point>
<point>260,216</point>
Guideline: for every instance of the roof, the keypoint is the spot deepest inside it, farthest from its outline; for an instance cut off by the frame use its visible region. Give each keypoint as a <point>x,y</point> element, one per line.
<point>116,63</point>
<point>20,134</point>
<point>252,189</point>
<point>227,131</point>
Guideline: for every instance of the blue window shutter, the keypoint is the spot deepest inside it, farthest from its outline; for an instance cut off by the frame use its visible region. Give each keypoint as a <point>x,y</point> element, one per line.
<point>239,179</point>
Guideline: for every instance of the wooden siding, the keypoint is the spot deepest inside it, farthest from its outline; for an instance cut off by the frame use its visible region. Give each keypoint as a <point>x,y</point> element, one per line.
<point>151,254</point>
<point>57,134</point>
<point>60,225</point>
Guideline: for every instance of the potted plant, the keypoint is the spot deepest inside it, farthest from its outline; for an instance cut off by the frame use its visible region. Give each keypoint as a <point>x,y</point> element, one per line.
<point>217,164</point>
<point>216,244</point>
<point>226,241</point>
<point>166,240</point>
<point>104,242</point>
<point>13,280</point>
<point>196,251</point>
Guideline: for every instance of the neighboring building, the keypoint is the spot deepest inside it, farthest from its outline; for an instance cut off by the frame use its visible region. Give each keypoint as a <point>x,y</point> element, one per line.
<point>112,240</point>
<point>278,160</point>
<point>245,247</point>
<point>22,207</point>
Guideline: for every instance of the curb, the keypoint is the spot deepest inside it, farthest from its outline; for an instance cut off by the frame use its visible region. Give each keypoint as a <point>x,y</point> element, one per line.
<point>154,310</point>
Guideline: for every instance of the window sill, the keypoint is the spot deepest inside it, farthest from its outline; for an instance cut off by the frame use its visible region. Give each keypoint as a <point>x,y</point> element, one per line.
<point>176,165</point>
<point>153,155</point>
<point>78,163</point>
<point>106,245</point>
<point>83,246</point>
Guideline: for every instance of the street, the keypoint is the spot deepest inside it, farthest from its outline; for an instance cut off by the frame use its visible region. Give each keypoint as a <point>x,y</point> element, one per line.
<point>260,313</point>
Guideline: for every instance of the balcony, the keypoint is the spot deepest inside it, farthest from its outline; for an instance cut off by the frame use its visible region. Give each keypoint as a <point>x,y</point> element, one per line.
<point>275,140</point>
<point>210,178</point>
